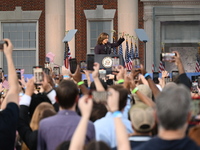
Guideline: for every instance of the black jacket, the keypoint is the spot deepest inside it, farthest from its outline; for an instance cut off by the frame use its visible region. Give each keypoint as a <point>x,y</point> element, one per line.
<point>106,49</point>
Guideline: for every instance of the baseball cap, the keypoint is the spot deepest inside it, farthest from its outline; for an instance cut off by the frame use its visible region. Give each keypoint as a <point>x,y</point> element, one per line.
<point>144,89</point>
<point>142,117</point>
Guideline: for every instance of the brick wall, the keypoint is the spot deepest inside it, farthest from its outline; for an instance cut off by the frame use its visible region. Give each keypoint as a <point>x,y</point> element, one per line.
<point>80,23</point>
<point>141,26</point>
<point>28,5</point>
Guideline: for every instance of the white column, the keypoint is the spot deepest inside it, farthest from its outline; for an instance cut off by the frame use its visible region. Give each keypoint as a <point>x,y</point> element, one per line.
<point>70,22</point>
<point>55,28</point>
<point>148,27</point>
<point>127,17</point>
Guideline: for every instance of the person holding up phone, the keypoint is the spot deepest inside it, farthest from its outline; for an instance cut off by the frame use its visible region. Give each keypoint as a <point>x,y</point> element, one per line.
<point>182,78</point>
<point>103,46</point>
<point>9,116</point>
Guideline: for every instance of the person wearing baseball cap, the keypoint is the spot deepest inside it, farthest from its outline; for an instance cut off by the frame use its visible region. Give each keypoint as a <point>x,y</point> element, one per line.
<point>143,121</point>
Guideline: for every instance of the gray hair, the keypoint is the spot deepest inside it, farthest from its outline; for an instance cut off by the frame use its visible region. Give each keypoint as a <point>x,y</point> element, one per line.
<point>173,106</point>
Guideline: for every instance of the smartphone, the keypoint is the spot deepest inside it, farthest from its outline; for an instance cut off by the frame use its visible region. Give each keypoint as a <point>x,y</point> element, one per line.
<point>1,73</point>
<point>47,59</point>
<point>83,65</point>
<point>18,71</point>
<point>115,64</point>
<point>73,65</point>
<point>56,70</point>
<point>136,62</point>
<point>167,56</point>
<point>198,81</point>
<point>90,61</point>
<point>194,87</point>
<point>47,62</point>
<point>38,75</point>
<point>155,77</point>
<point>175,75</point>
<point>194,78</point>
<point>100,96</point>
<point>167,79</point>
<point>1,44</point>
<point>1,94</point>
<point>102,73</point>
<point>47,71</point>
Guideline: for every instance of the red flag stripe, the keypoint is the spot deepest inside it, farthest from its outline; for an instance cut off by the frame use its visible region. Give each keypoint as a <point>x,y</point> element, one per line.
<point>161,67</point>
<point>197,67</point>
<point>152,68</point>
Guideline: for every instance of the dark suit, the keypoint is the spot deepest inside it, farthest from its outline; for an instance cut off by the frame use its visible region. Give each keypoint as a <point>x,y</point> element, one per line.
<point>106,48</point>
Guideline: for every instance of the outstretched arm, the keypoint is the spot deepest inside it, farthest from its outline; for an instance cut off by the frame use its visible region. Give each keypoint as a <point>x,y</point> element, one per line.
<point>77,77</point>
<point>12,95</point>
<point>95,75</point>
<point>78,138</point>
<point>152,85</point>
<point>121,134</point>
<point>182,79</point>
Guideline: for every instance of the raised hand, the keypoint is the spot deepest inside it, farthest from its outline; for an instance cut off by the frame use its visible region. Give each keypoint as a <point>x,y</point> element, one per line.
<point>77,76</point>
<point>30,87</point>
<point>113,100</point>
<point>7,49</point>
<point>85,105</point>
<point>95,73</point>
<point>121,73</point>
<point>46,83</point>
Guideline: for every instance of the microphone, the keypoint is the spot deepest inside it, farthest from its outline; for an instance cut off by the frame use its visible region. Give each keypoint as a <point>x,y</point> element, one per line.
<point>108,47</point>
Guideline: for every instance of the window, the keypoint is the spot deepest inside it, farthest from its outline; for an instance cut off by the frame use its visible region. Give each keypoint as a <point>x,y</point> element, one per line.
<point>180,31</point>
<point>98,20</point>
<point>23,37</point>
<point>97,27</point>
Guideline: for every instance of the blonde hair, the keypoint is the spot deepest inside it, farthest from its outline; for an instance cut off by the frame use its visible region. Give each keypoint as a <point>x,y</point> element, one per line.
<point>43,110</point>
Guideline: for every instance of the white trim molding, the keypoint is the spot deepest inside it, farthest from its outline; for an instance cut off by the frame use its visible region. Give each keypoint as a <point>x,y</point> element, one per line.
<point>98,14</point>
<point>158,11</point>
<point>18,15</point>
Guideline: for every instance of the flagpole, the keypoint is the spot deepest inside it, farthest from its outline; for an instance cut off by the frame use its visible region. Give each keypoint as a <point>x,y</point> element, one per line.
<point>126,35</point>
<point>163,47</point>
<point>113,38</point>
<point>145,42</point>
<point>120,33</point>
<point>198,50</point>
<point>66,52</point>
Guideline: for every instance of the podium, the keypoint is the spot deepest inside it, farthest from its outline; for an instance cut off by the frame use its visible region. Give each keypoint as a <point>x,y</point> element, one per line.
<point>109,62</point>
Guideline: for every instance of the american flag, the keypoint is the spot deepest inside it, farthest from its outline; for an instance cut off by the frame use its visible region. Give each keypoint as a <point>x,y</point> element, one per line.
<point>114,48</point>
<point>161,67</point>
<point>197,67</point>
<point>132,51</point>
<point>120,50</point>
<point>153,68</point>
<point>128,57</point>
<point>67,56</point>
<point>136,51</point>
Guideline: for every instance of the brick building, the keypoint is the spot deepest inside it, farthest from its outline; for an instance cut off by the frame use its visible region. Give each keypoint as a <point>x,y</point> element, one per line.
<point>38,27</point>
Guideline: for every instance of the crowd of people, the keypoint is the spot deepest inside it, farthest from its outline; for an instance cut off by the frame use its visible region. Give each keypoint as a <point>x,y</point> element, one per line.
<point>66,112</point>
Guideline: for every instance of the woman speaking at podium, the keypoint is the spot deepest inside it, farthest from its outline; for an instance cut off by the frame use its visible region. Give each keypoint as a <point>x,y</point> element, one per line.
<point>103,46</point>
